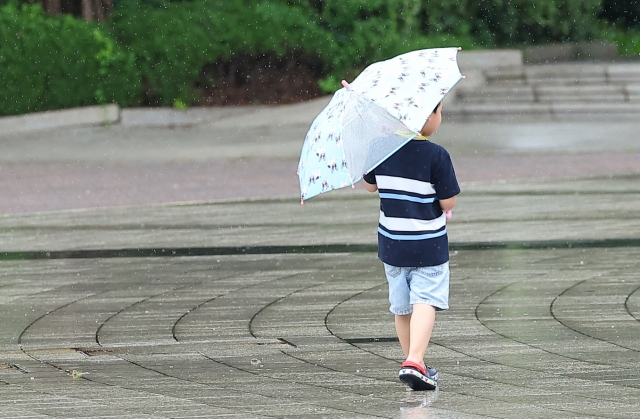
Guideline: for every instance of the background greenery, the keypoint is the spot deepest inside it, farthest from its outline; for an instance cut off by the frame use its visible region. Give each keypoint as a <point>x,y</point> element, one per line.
<point>153,52</point>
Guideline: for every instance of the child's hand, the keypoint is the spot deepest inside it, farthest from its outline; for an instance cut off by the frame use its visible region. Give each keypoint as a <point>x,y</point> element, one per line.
<point>448,214</point>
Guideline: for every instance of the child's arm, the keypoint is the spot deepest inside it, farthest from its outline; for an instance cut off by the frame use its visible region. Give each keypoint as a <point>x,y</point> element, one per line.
<point>371,187</point>
<point>448,204</point>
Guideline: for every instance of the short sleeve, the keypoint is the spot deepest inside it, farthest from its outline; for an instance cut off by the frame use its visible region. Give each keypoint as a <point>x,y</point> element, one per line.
<point>444,179</point>
<point>370,177</point>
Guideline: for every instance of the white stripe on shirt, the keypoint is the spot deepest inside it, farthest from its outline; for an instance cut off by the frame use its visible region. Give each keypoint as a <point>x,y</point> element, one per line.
<point>404,184</point>
<point>400,197</point>
<point>412,224</point>
<point>407,237</point>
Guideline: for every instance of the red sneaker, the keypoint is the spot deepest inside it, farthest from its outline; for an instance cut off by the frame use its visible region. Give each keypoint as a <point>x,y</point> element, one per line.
<point>417,377</point>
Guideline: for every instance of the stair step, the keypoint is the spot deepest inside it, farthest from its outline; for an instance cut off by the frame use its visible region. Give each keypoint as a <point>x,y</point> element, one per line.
<point>540,111</point>
<point>590,93</point>
<point>551,90</point>
<point>503,93</point>
<point>519,92</point>
<point>566,73</point>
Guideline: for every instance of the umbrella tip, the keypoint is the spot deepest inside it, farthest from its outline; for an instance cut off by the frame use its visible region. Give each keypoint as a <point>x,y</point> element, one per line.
<point>346,85</point>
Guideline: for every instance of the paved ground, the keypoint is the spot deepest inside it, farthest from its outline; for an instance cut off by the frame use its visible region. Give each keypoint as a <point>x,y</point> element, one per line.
<point>253,152</point>
<point>280,309</point>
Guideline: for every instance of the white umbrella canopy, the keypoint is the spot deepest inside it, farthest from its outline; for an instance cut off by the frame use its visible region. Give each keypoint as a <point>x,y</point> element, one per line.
<point>367,121</point>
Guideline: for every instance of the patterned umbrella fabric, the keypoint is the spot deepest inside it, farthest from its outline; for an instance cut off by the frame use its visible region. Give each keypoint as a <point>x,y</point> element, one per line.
<point>366,122</point>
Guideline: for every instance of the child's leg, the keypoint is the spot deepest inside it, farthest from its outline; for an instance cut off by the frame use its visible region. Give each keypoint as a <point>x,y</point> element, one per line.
<point>399,299</point>
<point>403,330</point>
<point>421,325</point>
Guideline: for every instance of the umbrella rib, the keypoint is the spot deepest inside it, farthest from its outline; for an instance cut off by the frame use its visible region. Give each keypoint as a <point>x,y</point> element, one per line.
<point>384,111</point>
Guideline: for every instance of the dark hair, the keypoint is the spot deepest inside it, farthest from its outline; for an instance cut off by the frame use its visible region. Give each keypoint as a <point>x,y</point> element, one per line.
<point>437,106</point>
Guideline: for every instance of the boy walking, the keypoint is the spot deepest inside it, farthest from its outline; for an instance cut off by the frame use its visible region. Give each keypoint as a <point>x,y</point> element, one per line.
<point>417,186</point>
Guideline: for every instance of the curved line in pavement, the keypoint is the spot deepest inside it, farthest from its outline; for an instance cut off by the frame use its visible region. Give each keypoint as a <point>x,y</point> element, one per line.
<point>551,309</point>
<point>45,315</point>
<point>274,302</point>
<point>453,350</point>
<point>122,310</point>
<point>507,337</point>
<point>173,328</point>
<point>626,303</point>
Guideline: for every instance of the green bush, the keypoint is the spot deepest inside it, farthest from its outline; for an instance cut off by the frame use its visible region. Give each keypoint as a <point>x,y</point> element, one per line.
<point>499,23</point>
<point>173,42</point>
<point>625,13</point>
<point>628,40</point>
<point>154,52</point>
<point>371,30</point>
<point>60,62</point>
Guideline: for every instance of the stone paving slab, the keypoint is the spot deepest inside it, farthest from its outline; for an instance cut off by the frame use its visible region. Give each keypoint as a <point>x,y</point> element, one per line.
<point>530,333</point>
<point>549,330</point>
<point>527,335</point>
<point>554,211</point>
<point>253,153</point>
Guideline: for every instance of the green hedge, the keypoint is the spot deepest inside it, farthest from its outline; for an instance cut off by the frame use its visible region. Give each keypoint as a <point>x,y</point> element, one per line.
<point>155,50</point>
<point>625,13</point>
<point>172,43</point>
<point>53,63</point>
<point>498,23</point>
<point>365,31</point>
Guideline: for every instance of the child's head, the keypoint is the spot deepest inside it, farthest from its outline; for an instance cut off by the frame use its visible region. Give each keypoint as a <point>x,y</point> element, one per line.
<point>433,122</point>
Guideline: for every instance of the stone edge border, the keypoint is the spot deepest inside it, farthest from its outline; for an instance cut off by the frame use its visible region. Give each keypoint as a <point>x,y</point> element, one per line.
<point>110,114</point>
<point>167,117</point>
<point>85,116</point>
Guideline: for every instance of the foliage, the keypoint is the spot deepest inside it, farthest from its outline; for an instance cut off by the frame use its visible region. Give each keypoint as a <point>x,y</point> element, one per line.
<point>172,43</point>
<point>499,23</point>
<point>53,63</point>
<point>628,41</point>
<point>156,51</point>
<point>371,30</point>
<point>625,13</point>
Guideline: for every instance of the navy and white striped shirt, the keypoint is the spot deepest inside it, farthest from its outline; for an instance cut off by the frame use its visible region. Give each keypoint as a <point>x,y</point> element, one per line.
<point>412,231</point>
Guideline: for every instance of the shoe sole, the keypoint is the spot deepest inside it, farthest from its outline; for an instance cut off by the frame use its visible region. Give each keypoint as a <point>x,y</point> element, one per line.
<point>416,380</point>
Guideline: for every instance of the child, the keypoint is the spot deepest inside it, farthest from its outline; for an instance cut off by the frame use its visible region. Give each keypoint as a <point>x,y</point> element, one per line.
<point>417,186</point>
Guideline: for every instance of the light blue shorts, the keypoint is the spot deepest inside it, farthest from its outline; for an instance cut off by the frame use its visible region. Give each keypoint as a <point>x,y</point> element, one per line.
<point>408,286</point>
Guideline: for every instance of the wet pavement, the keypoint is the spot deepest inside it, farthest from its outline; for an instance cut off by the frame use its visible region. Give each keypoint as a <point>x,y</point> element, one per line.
<point>253,152</point>
<point>260,307</point>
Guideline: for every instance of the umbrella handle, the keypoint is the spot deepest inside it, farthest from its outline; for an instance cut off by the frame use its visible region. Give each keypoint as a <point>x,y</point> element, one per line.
<point>346,85</point>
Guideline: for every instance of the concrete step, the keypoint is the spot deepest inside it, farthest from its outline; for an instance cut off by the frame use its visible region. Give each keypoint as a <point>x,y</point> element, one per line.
<point>551,111</point>
<point>581,93</point>
<point>527,93</point>
<point>507,92</point>
<point>504,87</point>
<point>590,73</point>
<point>566,74</point>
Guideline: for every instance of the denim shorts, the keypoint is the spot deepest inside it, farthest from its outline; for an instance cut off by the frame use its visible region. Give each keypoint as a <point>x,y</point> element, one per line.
<point>408,286</point>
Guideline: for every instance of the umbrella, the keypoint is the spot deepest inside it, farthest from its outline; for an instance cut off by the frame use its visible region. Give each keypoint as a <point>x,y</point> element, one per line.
<point>368,120</point>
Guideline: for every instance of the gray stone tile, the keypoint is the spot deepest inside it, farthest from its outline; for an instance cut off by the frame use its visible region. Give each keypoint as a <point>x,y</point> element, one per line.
<point>546,332</point>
